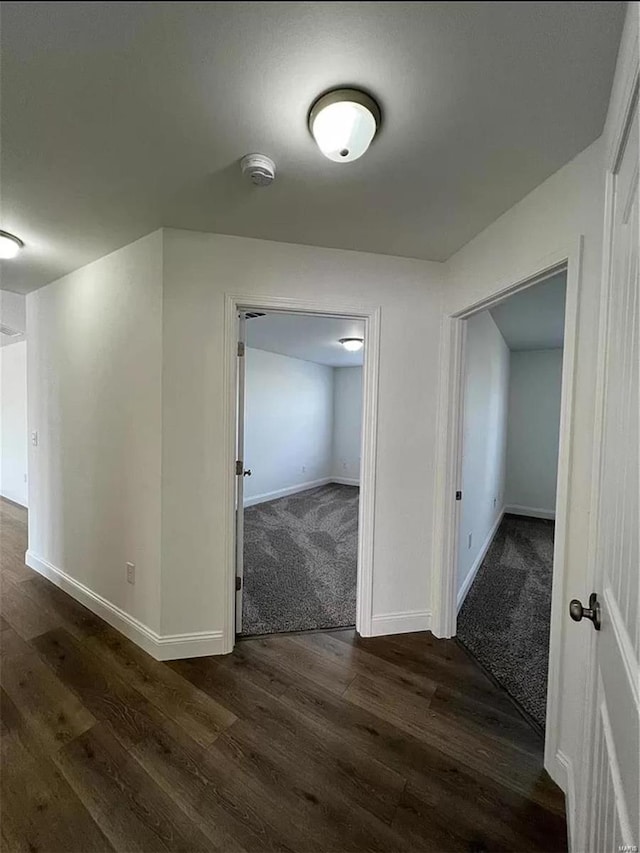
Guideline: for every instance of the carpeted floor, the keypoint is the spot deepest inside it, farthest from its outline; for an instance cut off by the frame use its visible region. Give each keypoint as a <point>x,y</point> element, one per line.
<point>504,621</point>
<point>300,560</point>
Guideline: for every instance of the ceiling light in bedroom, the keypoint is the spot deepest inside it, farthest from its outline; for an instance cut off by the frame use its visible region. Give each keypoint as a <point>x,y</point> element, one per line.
<point>352,344</point>
<point>10,245</point>
<point>343,123</point>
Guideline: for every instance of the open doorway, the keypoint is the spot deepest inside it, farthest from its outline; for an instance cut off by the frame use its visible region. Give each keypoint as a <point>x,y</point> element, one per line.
<point>299,438</point>
<point>13,399</point>
<point>512,395</point>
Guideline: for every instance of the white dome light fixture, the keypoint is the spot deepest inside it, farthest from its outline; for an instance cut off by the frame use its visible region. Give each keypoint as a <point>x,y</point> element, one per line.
<point>352,344</point>
<point>10,245</point>
<point>343,123</point>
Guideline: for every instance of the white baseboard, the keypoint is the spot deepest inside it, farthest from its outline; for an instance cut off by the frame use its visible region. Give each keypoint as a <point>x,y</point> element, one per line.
<point>345,481</point>
<point>533,511</point>
<point>13,501</point>
<point>283,493</point>
<point>473,571</point>
<point>400,623</point>
<point>160,647</point>
<point>563,775</point>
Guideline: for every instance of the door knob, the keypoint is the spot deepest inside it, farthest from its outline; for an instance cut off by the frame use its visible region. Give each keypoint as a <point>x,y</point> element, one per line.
<point>578,612</point>
<point>247,473</point>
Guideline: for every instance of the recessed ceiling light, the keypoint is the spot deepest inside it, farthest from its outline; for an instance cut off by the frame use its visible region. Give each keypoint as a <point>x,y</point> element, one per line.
<point>343,123</point>
<point>352,344</point>
<point>10,245</point>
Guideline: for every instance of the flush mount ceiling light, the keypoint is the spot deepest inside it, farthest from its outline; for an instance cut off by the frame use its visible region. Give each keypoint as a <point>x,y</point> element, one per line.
<point>352,344</point>
<point>343,123</point>
<point>10,245</point>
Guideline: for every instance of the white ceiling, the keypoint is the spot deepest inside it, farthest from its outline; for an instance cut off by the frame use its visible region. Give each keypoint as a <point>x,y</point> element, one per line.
<point>303,336</point>
<point>534,317</point>
<point>118,118</point>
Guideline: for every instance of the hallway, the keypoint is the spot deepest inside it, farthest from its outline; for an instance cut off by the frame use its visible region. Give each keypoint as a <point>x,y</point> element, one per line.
<point>310,742</point>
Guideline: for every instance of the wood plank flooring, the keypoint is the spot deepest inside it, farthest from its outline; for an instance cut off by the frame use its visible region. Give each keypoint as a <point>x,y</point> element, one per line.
<point>317,743</point>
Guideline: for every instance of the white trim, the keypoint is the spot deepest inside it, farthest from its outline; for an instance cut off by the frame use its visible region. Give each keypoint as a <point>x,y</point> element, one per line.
<point>160,647</point>
<point>482,553</point>
<point>563,502</point>
<point>533,511</point>
<point>302,487</point>
<point>564,777</point>
<point>624,644</point>
<point>449,446</point>
<point>229,404</point>
<point>240,400</point>
<point>344,481</point>
<point>623,90</point>
<point>289,490</point>
<point>13,500</point>
<point>627,832</point>
<point>448,476</point>
<point>366,509</point>
<point>401,623</point>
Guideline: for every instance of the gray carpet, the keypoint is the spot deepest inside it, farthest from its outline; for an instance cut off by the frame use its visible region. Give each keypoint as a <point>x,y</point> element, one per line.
<point>300,561</point>
<point>504,621</point>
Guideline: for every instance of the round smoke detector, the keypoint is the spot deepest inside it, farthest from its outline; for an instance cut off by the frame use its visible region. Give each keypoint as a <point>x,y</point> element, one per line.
<point>260,169</point>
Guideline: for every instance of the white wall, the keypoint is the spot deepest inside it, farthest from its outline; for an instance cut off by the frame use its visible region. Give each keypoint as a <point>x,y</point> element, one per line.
<point>126,376</point>
<point>533,431</point>
<point>347,424</point>
<point>303,425</point>
<point>94,385</point>
<point>288,425</point>
<point>484,443</point>
<point>567,206</point>
<point>13,422</point>
<point>198,270</point>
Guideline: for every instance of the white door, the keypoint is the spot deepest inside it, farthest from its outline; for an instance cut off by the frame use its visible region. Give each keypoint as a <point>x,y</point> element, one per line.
<point>613,816</point>
<point>240,470</point>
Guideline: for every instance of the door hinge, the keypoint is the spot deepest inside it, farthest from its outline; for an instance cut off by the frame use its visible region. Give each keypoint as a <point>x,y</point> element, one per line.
<point>240,348</point>
<point>239,467</point>
<point>458,496</point>
<point>238,584</point>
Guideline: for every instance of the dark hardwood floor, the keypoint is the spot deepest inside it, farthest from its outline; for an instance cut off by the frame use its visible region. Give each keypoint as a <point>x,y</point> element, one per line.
<point>311,742</point>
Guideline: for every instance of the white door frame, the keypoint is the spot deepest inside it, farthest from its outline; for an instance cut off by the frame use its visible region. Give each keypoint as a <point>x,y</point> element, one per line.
<point>332,308</point>
<point>239,456</point>
<point>448,475</point>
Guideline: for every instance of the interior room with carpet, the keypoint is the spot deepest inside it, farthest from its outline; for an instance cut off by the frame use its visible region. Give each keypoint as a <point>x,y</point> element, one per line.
<point>302,445</point>
<point>13,398</point>
<point>264,591</point>
<point>511,427</point>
